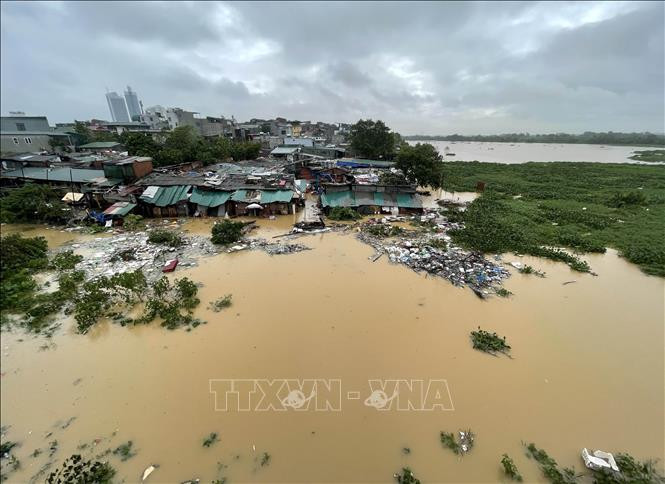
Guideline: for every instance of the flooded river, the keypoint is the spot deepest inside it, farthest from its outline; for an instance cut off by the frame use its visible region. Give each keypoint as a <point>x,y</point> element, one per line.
<point>524,152</point>
<point>587,371</point>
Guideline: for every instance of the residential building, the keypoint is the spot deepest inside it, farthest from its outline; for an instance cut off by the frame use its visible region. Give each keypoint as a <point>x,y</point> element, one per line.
<point>117,107</point>
<point>22,134</point>
<point>133,104</point>
<point>293,141</point>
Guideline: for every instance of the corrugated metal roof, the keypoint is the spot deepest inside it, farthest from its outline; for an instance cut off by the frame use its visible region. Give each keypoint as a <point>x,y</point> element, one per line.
<point>166,196</point>
<point>209,198</point>
<point>339,199</point>
<point>239,195</point>
<point>284,151</point>
<point>272,196</point>
<point>409,200</point>
<point>76,175</point>
<point>100,145</point>
<point>120,209</point>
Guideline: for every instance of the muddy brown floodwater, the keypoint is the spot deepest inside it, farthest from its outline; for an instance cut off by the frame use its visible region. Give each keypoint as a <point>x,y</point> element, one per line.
<point>587,371</point>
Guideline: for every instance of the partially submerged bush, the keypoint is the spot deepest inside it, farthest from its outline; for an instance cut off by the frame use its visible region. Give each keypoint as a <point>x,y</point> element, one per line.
<point>124,451</point>
<point>510,469</point>
<point>343,213</point>
<point>406,477</point>
<point>33,203</point>
<point>221,303</point>
<point>17,252</point>
<point>460,445</point>
<point>489,342</point>
<point>503,292</point>
<point>632,471</point>
<point>80,471</point>
<point>383,230</point>
<point>210,439</point>
<point>66,260</point>
<point>226,232</point>
<point>132,222</point>
<point>165,237</point>
<point>550,468</point>
<point>527,269</point>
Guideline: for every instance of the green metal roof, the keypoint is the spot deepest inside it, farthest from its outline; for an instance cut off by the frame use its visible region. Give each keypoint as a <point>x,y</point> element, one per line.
<point>209,198</point>
<point>382,199</point>
<point>166,196</point>
<point>408,200</point>
<point>120,209</point>
<point>239,196</point>
<point>272,196</point>
<point>100,145</point>
<point>76,175</point>
<point>339,199</point>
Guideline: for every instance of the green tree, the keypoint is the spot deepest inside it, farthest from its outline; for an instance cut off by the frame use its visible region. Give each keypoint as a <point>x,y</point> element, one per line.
<point>32,204</point>
<point>139,144</point>
<point>182,145</point>
<point>372,139</point>
<point>83,132</point>
<point>421,164</point>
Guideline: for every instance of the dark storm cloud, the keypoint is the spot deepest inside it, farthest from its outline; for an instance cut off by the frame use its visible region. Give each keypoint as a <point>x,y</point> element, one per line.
<point>422,67</point>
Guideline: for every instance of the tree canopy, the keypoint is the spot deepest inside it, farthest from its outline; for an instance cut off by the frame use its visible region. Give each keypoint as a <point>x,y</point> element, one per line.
<point>372,139</point>
<point>421,164</point>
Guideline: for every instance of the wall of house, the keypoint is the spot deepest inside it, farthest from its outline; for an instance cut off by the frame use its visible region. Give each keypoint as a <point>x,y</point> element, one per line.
<point>15,143</point>
<point>24,123</point>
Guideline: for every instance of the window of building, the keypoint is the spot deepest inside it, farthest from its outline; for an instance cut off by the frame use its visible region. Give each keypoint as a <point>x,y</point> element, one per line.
<point>20,126</point>
<point>15,140</point>
<point>27,141</point>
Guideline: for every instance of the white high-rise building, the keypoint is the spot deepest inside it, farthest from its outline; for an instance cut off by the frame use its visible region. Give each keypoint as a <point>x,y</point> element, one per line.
<point>133,104</point>
<point>117,107</point>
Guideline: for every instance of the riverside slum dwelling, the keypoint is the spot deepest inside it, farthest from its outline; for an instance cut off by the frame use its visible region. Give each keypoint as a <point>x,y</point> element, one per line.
<point>221,193</point>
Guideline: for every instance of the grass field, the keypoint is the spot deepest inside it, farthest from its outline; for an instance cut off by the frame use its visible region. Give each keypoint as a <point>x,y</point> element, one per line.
<point>584,207</point>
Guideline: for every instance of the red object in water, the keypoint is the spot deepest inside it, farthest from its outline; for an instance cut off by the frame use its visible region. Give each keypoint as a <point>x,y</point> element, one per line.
<point>170,265</point>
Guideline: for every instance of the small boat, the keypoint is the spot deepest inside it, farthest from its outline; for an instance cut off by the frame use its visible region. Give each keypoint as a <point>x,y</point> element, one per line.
<point>447,152</point>
<point>170,265</point>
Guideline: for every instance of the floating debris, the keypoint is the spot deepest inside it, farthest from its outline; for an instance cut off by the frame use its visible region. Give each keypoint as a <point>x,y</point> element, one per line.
<point>429,249</point>
<point>125,451</point>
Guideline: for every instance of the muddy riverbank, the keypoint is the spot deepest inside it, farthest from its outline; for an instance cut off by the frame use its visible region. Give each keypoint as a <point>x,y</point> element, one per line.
<point>587,370</point>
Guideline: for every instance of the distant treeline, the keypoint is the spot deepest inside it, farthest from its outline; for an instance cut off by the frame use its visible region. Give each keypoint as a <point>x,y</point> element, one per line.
<point>610,138</point>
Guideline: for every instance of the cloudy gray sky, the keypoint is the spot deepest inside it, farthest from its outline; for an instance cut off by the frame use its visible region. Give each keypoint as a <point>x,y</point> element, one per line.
<point>421,67</point>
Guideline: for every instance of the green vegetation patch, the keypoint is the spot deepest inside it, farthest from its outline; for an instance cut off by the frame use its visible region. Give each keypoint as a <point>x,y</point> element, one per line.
<point>210,439</point>
<point>221,303</point>
<point>538,208</point>
<point>489,342</point>
<point>343,213</point>
<point>125,451</point>
<point>165,237</point>
<point>406,477</point>
<point>82,471</point>
<point>649,155</point>
<point>383,230</point>
<point>549,466</point>
<point>33,204</point>
<point>632,471</point>
<point>226,232</point>
<point>510,469</point>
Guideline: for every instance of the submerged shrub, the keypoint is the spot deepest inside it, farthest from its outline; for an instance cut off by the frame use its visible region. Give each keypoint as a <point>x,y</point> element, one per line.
<point>510,469</point>
<point>221,303</point>
<point>66,260</point>
<point>80,471</point>
<point>226,232</point>
<point>343,213</point>
<point>406,477</point>
<point>550,468</point>
<point>165,237</point>
<point>489,342</point>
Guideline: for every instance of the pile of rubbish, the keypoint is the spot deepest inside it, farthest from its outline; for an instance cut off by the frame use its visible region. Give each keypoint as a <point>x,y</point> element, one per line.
<point>130,251</point>
<point>432,251</point>
<point>272,248</point>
